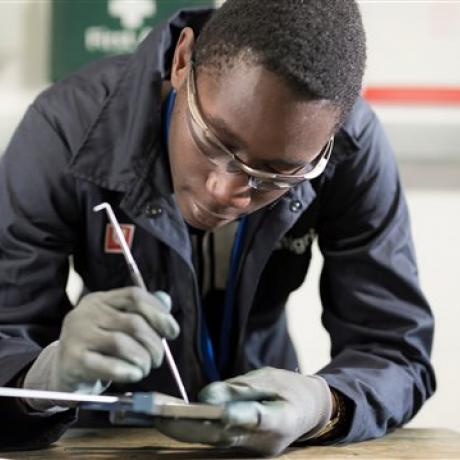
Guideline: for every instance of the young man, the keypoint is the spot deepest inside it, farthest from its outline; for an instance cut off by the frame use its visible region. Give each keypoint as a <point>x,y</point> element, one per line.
<point>220,148</point>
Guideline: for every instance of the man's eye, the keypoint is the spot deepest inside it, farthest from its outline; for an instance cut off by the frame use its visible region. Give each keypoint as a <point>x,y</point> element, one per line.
<point>213,150</point>
<point>279,170</point>
<point>232,167</point>
<point>294,170</point>
<point>283,171</point>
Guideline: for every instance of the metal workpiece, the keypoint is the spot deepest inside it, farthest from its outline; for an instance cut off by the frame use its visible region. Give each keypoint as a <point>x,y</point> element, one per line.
<point>137,405</point>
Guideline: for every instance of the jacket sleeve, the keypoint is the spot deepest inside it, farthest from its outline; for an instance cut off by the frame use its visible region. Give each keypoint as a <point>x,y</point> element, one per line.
<point>380,324</point>
<point>37,230</point>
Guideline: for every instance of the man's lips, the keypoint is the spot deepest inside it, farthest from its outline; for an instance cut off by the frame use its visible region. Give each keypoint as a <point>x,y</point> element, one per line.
<point>208,217</point>
<point>216,215</point>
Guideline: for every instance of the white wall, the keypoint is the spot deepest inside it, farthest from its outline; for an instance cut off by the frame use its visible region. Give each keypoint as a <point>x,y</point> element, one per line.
<point>409,43</point>
<point>416,43</point>
<point>412,42</point>
<point>24,32</point>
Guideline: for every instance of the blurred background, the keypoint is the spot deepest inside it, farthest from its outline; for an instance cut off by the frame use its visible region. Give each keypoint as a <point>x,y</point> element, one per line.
<point>412,81</point>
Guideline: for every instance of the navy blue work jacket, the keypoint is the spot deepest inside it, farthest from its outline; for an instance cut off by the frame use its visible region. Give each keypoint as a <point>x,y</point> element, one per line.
<point>96,136</point>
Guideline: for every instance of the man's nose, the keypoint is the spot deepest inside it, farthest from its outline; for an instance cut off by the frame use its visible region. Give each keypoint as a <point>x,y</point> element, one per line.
<point>229,189</point>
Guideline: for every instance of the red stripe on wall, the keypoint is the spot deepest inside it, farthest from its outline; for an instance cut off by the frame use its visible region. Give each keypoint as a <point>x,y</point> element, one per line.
<point>413,95</point>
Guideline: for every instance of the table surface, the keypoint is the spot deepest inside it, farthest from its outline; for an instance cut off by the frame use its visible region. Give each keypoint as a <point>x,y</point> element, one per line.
<point>145,443</point>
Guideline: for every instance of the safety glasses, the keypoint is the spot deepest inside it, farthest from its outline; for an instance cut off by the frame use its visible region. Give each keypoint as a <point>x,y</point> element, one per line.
<point>218,154</point>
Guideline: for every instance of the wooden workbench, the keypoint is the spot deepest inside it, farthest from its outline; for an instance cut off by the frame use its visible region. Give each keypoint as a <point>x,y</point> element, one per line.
<point>144,443</point>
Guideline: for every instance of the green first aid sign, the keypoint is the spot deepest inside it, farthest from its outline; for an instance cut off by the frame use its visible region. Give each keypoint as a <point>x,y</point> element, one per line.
<point>85,30</point>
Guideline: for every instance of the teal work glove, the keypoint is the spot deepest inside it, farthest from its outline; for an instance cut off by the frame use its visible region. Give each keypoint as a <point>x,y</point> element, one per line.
<point>266,411</point>
<point>109,336</point>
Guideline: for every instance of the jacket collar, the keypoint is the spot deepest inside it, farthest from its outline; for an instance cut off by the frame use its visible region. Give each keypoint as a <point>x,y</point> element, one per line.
<point>124,142</point>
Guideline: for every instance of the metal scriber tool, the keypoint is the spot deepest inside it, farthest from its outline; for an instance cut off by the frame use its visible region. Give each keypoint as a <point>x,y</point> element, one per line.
<point>138,281</point>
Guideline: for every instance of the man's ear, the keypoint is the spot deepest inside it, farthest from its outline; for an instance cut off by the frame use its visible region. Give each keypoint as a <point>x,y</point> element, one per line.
<point>182,58</point>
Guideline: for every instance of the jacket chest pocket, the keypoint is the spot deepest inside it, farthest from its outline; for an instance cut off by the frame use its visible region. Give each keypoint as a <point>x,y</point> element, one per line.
<point>285,271</point>
<point>287,266</point>
<point>104,269</point>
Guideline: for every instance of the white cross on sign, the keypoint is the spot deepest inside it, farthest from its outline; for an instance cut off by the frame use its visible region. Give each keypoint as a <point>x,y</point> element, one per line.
<point>132,12</point>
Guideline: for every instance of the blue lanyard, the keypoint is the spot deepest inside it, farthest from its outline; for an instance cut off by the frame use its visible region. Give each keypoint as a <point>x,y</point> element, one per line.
<point>170,101</point>
<point>211,369</point>
<point>227,319</point>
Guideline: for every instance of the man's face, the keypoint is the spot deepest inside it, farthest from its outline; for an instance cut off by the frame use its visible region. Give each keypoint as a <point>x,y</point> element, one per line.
<point>254,114</point>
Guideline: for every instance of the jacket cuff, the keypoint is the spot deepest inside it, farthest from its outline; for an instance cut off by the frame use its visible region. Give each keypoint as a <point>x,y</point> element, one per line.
<point>355,415</point>
<point>323,398</point>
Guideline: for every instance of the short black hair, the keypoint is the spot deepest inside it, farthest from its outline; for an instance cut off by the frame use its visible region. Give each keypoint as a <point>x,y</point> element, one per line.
<point>317,46</point>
